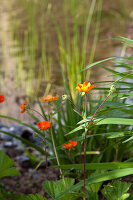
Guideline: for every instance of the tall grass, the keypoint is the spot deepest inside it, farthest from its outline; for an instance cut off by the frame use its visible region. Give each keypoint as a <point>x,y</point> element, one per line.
<point>29,45</point>
<point>77,40</point>
<point>73,52</point>
<point>32,63</point>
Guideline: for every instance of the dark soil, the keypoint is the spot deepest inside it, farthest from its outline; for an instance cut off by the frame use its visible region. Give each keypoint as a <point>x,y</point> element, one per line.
<point>30,180</point>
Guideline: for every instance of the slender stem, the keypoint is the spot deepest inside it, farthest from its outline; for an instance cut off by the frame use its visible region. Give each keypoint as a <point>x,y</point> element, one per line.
<point>116,154</point>
<point>56,154</point>
<point>38,113</point>
<point>85,143</point>
<point>75,106</point>
<point>86,132</point>
<point>99,108</point>
<point>81,151</point>
<point>46,154</point>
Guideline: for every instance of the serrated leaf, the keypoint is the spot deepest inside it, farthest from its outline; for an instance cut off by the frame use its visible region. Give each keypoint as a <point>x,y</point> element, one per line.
<point>55,188</point>
<point>34,197</point>
<point>116,191</point>
<point>99,178</point>
<point>6,164</point>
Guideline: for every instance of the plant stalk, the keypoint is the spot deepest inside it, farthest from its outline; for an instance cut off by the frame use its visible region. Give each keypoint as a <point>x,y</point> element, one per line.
<point>46,154</point>
<point>74,106</point>
<point>99,108</point>
<point>58,163</point>
<point>37,113</point>
<point>85,143</point>
<point>86,131</point>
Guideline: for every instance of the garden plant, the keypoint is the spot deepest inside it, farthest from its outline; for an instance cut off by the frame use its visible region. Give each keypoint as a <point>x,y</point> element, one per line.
<point>92,142</point>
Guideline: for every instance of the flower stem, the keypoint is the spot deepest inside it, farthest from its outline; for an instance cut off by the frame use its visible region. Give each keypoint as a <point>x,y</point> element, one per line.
<point>99,108</point>
<point>56,155</point>
<point>37,113</point>
<point>86,132</point>
<point>46,154</point>
<point>85,143</point>
<point>74,106</point>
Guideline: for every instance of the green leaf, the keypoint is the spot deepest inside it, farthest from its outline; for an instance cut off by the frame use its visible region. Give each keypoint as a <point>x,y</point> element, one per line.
<point>55,188</point>
<point>25,141</point>
<point>97,166</point>
<point>130,197</point>
<point>28,125</point>
<point>76,129</point>
<point>93,195</point>
<point>116,191</point>
<point>6,168</point>
<point>118,73</point>
<point>131,138</point>
<point>122,121</point>
<point>99,178</point>
<point>112,135</point>
<point>96,186</point>
<point>96,63</point>
<point>100,121</point>
<point>35,197</point>
<point>126,41</point>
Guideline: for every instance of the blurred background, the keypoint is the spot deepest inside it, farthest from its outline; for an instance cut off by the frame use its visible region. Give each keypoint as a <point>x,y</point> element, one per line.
<point>44,43</point>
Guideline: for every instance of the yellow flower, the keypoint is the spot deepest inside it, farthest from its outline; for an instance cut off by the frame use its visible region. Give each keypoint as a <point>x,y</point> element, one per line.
<point>85,87</point>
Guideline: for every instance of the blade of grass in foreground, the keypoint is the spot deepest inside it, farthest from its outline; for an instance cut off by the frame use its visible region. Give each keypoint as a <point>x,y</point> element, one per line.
<point>97,166</point>
<point>25,141</point>
<point>99,178</point>
<point>25,124</point>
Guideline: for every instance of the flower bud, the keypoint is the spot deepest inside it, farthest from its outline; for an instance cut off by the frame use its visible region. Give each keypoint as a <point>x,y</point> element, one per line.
<point>112,89</point>
<point>64,97</point>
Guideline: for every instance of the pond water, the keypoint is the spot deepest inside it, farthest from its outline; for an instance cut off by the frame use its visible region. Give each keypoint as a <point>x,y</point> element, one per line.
<point>31,52</point>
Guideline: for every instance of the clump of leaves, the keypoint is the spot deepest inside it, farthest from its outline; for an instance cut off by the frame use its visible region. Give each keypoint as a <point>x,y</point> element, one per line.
<point>116,191</point>
<point>55,188</point>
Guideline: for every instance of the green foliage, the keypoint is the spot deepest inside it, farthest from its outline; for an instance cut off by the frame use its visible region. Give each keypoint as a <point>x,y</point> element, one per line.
<point>93,189</point>
<point>104,176</point>
<point>116,191</point>
<point>55,188</point>
<point>97,166</point>
<point>93,195</point>
<point>7,169</point>
<point>6,164</point>
<point>34,197</point>
<point>25,141</point>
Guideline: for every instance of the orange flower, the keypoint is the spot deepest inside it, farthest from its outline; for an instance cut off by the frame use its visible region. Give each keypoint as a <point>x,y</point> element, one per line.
<point>70,144</point>
<point>2,98</point>
<point>85,87</point>
<point>23,107</point>
<point>49,98</point>
<point>44,125</point>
